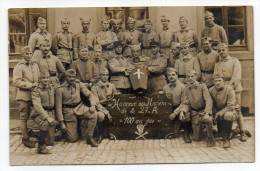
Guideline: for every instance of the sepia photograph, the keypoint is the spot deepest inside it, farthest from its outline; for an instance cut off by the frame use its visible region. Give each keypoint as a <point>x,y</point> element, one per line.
<point>131,85</point>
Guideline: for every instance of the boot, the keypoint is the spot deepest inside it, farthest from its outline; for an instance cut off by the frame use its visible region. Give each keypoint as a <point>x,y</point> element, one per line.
<point>210,142</point>
<point>186,135</point>
<point>243,136</point>
<point>43,150</point>
<point>27,143</point>
<point>91,141</point>
<point>99,139</point>
<point>226,143</point>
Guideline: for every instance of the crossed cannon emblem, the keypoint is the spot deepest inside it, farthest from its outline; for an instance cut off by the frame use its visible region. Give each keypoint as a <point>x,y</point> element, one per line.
<point>140,133</point>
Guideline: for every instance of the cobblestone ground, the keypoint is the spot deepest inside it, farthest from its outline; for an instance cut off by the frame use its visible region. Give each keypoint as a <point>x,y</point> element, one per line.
<point>134,152</point>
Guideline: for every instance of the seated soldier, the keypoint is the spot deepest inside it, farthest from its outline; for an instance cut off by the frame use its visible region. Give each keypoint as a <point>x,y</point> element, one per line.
<point>102,90</point>
<point>176,89</point>
<point>174,54</point>
<point>224,102</point>
<point>44,117</point>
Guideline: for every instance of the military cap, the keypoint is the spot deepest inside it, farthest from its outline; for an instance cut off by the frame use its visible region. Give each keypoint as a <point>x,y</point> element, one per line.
<point>154,44</point>
<point>223,45</point>
<point>117,43</point>
<point>26,49</point>
<point>70,72</point>
<point>116,21</point>
<point>83,46</point>
<point>176,44</point>
<point>103,70</point>
<point>65,20</point>
<point>135,47</point>
<point>218,75</point>
<point>182,18</point>
<point>203,39</point>
<point>191,72</point>
<point>171,70</point>
<point>40,19</point>
<point>207,13</point>
<point>165,18</point>
<point>98,48</point>
<point>85,20</point>
<point>130,19</point>
<point>45,41</point>
<point>44,73</point>
<point>184,44</point>
<point>148,21</point>
<point>105,18</point>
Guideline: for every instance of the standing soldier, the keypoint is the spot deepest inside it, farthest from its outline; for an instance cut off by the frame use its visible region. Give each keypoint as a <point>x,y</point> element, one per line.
<point>131,37</point>
<point>98,60</point>
<point>197,99</point>
<point>116,25</point>
<point>186,63</point>
<point>214,31</point>
<point>147,37</point>
<point>156,66</point>
<point>118,66</point>
<point>44,117</point>
<point>68,107</point>
<point>62,44</point>
<point>176,89</point>
<point>224,103</point>
<point>175,54</point>
<point>230,68</point>
<point>49,62</point>
<point>106,38</point>
<point>84,37</point>
<point>166,36</point>
<point>25,77</point>
<point>38,36</point>
<point>187,35</point>
<point>207,59</point>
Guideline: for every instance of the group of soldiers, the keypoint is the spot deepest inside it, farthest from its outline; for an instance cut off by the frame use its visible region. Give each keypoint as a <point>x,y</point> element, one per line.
<point>66,79</point>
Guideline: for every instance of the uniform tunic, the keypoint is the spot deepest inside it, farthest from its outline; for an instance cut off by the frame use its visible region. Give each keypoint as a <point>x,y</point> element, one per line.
<point>119,34</point>
<point>131,37</point>
<point>187,36</point>
<point>101,63</point>
<point>146,39</point>
<point>166,36</point>
<point>175,91</point>
<point>172,60</point>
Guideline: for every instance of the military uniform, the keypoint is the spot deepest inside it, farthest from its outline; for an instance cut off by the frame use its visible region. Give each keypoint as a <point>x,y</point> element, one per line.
<point>207,63</point>
<point>100,63</point>
<point>166,36</point>
<point>172,60</point>
<point>131,37</point>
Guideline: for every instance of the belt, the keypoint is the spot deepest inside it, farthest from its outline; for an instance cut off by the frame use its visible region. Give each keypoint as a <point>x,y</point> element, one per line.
<point>105,48</point>
<point>48,108</point>
<point>197,110</point>
<point>70,105</point>
<point>207,72</point>
<point>182,76</point>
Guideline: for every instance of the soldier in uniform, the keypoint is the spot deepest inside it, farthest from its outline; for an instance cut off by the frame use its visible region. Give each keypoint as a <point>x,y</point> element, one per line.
<point>49,62</point>
<point>187,35</point>
<point>224,103</point>
<point>118,66</point>
<point>230,68</point>
<point>131,37</point>
<point>175,89</point>
<point>69,107</point>
<point>98,60</point>
<point>207,59</point>
<point>147,37</point>
<point>214,31</point>
<point>102,90</point>
<point>44,117</point>
<point>116,25</point>
<point>197,99</point>
<point>186,63</point>
<point>156,66</point>
<point>62,44</point>
<point>166,36</point>
<point>25,77</point>
<point>38,36</point>
<point>84,37</point>
<point>106,38</point>
<point>85,68</point>
<point>175,54</point>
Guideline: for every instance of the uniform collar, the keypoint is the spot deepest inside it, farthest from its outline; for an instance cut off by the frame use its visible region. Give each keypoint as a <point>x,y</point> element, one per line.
<point>132,30</point>
<point>83,31</point>
<point>226,59</point>
<point>186,29</point>
<point>66,84</point>
<point>194,85</point>
<point>219,90</point>
<point>65,31</point>
<point>44,88</point>
<point>41,32</point>
<point>172,85</point>
<point>104,30</point>
<point>187,57</point>
<point>210,26</point>
<point>23,61</point>
<point>48,55</point>
<point>103,85</point>
<point>84,60</point>
<point>165,28</point>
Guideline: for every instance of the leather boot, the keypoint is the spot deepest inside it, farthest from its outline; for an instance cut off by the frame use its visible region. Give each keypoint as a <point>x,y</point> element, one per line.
<point>186,136</point>
<point>27,143</point>
<point>243,136</point>
<point>226,143</point>
<point>43,150</point>
<point>91,141</point>
<point>210,142</point>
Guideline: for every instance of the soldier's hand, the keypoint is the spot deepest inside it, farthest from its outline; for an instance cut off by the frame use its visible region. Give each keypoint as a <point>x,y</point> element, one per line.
<point>35,84</point>
<point>206,117</point>
<point>92,109</point>
<point>90,84</point>
<point>160,92</point>
<point>51,121</point>
<point>172,116</point>
<point>182,117</point>
<point>109,118</point>
<point>63,127</point>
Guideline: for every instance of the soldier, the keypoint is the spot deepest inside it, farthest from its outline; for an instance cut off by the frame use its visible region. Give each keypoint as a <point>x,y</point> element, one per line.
<point>102,89</point>
<point>175,54</point>
<point>69,107</point>
<point>84,37</point>
<point>38,36</point>
<point>62,44</point>
<point>106,38</point>
<point>25,77</point>
<point>224,102</point>
<point>44,117</point>
<point>207,59</point>
<point>98,60</point>
<point>166,36</point>
<point>214,31</point>
<point>156,66</point>
<point>85,68</point>
<point>186,63</point>
<point>230,68</point>
<point>147,37</point>
<point>176,89</point>
<point>187,35</point>
<point>197,99</point>
<point>49,62</point>
<point>118,66</point>
<point>116,25</point>
<point>131,37</point>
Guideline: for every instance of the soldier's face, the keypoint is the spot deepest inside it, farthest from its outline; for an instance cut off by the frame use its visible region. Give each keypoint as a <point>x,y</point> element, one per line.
<point>105,25</point>
<point>136,53</point>
<point>185,50</point>
<point>85,25</point>
<point>104,77</point>
<point>131,25</point>
<point>98,54</point>
<point>155,50</point>
<point>118,49</point>
<point>27,56</point>
<point>172,77</point>
<point>206,45</point>
<point>148,27</point>
<point>42,25</point>
<point>191,78</point>
<point>45,48</point>
<point>223,52</point>
<point>175,50</point>
<point>84,53</point>
<point>209,20</point>
<point>65,25</point>
<point>116,26</point>
<point>183,23</point>
<point>219,83</point>
<point>165,23</point>
<point>71,79</point>
<point>45,80</point>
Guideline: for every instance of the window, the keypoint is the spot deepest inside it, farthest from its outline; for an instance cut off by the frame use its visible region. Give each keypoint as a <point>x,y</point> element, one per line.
<point>138,13</point>
<point>233,19</point>
<point>22,23</point>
